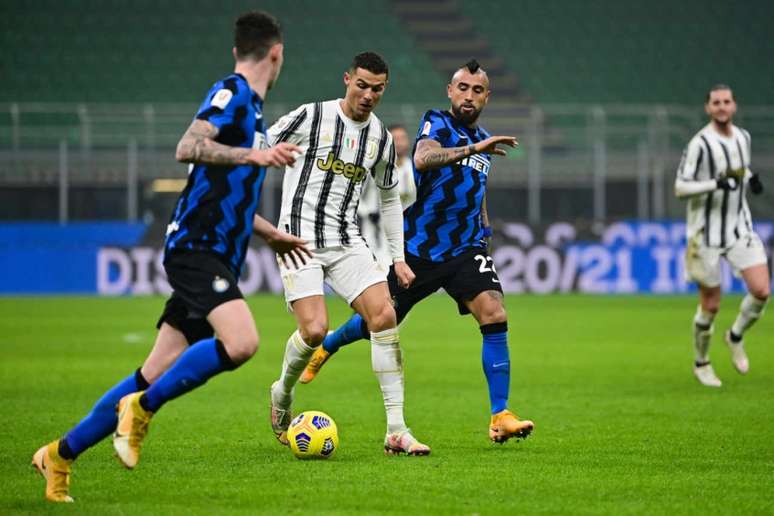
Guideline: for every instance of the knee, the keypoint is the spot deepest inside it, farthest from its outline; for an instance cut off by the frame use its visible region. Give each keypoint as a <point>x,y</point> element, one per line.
<point>383,318</point>
<point>761,292</point>
<point>492,313</point>
<point>241,349</point>
<point>314,333</point>
<point>712,307</point>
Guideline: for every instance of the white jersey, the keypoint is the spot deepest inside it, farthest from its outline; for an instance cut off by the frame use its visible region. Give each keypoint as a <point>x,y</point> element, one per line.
<point>721,216</point>
<point>369,201</point>
<point>321,191</point>
<point>369,209</point>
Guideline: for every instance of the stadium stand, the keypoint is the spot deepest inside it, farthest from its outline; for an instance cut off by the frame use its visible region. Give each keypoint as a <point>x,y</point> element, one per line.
<point>609,51</point>
<point>112,51</point>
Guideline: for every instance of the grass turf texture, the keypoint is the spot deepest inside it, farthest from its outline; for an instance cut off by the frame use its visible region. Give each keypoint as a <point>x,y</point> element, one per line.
<point>621,424</point>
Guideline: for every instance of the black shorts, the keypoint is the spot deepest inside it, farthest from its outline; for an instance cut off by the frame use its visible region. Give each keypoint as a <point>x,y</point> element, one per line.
<point>463,278</point>
<point>200,282</point>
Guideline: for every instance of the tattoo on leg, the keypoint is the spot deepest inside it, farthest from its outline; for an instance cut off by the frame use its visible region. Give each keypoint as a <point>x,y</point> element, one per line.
<point>496,295</point>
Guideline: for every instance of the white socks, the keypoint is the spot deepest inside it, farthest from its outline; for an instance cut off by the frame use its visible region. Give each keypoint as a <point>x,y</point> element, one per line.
<point>702,334</point>
<point>297,355</point>
<point>750,311</point>
<point>387,364</point>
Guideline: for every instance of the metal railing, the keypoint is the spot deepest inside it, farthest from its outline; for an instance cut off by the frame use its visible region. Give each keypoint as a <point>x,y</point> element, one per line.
<point>607,150</point>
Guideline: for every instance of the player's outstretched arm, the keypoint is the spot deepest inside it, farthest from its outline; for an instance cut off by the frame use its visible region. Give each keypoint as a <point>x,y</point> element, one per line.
<point>292,250</point>
<point>198,145</point>
<point>429,154</point>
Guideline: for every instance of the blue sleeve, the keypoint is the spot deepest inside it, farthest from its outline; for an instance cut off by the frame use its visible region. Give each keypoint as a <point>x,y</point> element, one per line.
<point>434,126</point>
<point>223,100</point>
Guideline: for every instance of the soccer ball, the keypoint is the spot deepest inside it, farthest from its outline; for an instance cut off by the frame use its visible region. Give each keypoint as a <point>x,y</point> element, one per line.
<point>313,435</point>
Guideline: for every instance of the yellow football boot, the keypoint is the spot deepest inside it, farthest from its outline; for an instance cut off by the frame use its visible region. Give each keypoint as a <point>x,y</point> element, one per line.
<point>55,470</point>
<point>132,428</point>
<point>506,424</point>
<point>311,370</point>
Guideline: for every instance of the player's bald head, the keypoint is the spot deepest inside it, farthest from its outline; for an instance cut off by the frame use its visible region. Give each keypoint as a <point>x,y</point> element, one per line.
<point>471,69</point>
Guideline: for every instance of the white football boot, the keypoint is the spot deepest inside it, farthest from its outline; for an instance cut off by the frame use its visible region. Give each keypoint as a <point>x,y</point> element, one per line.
<point>706,375</point>
<point>738,354</point>
<point>280,413</point>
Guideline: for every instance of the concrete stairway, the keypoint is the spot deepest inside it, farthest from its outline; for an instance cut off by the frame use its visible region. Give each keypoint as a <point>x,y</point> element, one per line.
<point>441,29</point>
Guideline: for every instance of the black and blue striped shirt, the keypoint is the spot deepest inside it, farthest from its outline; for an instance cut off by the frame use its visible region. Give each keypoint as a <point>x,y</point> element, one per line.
<point>445,220</point>
<point>215,210</point>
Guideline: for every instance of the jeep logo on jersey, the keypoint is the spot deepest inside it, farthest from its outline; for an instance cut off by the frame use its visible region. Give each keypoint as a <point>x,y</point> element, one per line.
<point>337,166</point>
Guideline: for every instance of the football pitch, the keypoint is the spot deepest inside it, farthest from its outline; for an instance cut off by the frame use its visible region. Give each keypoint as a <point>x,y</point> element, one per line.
<point>622,427</point>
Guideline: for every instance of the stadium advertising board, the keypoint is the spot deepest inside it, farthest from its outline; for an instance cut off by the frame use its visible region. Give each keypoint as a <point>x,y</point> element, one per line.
<point>618,258</point>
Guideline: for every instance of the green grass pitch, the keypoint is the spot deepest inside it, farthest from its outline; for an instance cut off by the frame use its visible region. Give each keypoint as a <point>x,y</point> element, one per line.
<point>622,427</point>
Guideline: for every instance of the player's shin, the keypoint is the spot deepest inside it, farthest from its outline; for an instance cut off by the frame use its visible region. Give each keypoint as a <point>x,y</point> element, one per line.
<point>702,334</point>
<point>101,421</point>
<point>193,368</point>
<point>352,330</point>
<point>497,365</point>
<point>387,364</point>
<point>297,355</point>
<point>750,311</point>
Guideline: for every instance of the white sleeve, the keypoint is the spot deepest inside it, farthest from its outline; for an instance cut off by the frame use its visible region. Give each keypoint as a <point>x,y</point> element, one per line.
<point>690,188</point>
<point>384,169</point>
<point>406,187</point>
<point>748,141</point>
<point>693,158</point>
<point>290,128</point>
<point>392,222</point>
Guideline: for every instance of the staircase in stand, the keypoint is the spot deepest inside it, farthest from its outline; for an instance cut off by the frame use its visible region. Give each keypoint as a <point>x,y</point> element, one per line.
<point>441,29</point>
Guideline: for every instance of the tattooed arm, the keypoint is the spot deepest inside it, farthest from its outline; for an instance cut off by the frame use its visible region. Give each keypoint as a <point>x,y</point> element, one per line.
<point>430,154</point>
<point>198,145</point>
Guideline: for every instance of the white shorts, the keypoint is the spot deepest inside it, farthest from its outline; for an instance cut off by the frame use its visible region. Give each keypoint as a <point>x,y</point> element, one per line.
<point>702,263</point>
<point>348,270</point>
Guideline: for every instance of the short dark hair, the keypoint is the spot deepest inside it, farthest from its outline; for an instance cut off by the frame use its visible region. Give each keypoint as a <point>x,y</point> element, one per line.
<point>472,66</point>
<point>370,61</point>
<point>392,127</point>
<point>718,87</point>
<point>255,32</point>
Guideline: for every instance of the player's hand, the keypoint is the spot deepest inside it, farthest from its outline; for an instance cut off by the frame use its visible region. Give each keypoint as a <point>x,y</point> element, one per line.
<point>727,183</point>
<point>291,250</point>
<point>487,239</point>
<point>404,274</point>
<point>756,186</point>
<point>278,156</point>
<point>490,145</point>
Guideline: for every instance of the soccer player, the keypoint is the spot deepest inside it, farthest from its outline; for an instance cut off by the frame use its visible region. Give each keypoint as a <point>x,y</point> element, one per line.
<point>368,209</point>
<point>714,176</point>
<point>445,232</point>
<point>342,142</point>
<point>206,327</point>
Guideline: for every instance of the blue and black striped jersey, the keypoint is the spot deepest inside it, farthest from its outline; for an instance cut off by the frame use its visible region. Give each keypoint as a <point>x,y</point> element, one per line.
<point>215,210</point>
<point>445,220</point>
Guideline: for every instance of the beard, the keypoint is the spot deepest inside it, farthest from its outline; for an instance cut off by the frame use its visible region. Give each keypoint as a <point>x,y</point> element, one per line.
<point>722,122</point>
<point>465,118</point>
